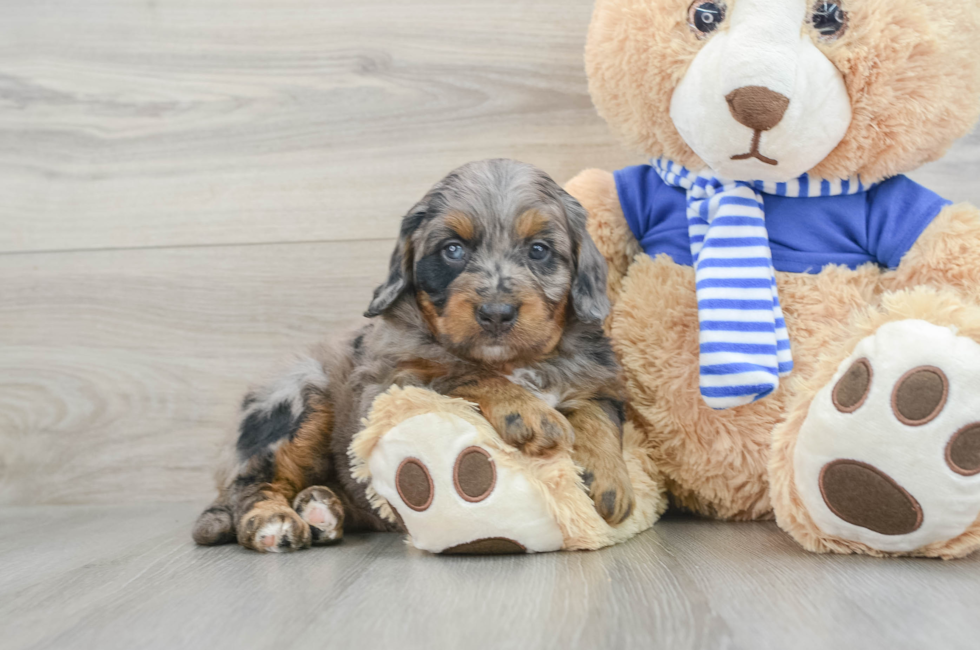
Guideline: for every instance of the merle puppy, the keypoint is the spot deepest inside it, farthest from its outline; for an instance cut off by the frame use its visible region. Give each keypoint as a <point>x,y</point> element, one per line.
<point>496,294</point>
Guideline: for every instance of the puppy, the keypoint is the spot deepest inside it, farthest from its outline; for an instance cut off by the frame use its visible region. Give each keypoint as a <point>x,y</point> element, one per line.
<point>495,294</point>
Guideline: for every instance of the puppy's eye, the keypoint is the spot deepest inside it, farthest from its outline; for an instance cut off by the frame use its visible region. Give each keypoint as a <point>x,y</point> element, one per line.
<point>453,251</point>
<point>539,251</point>
<point>705,16</point>
<point>829,20</point>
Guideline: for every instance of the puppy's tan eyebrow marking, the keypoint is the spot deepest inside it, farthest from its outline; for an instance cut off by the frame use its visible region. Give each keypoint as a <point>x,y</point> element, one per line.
<point>531,223</point>
<point>461,224</point>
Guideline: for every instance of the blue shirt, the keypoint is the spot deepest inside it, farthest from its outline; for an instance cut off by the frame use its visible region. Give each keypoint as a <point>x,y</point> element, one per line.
<point>805,234</point>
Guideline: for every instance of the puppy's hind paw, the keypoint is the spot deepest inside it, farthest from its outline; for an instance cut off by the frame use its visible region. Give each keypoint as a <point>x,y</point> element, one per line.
<point>273,528</point>
<point>320,508</point>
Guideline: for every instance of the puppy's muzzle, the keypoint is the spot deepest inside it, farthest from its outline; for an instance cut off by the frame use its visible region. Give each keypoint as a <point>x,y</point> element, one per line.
<point>496,317</point>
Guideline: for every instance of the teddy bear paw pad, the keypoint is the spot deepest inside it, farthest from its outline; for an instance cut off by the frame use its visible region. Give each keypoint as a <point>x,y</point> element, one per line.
<point>458,494</point>
<point>889,454</point>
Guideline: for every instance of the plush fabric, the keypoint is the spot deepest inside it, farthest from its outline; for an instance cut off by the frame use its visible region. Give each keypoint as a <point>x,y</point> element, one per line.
<point>533,504</point>
<point>911,69</point>
<point>870,446</point>
<point>915,459</point>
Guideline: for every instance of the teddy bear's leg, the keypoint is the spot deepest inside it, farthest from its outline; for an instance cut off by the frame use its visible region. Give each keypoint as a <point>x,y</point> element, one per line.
<point>595,189</point>
<point>880,451</point>
<point>458,491</point>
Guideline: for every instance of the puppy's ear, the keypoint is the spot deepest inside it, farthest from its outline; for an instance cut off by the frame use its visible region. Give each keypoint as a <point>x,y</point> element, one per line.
<point>400,269</point>
<point>589,297</point>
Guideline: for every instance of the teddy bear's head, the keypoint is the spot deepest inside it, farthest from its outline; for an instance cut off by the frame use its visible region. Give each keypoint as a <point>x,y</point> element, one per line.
<point>770,89</point>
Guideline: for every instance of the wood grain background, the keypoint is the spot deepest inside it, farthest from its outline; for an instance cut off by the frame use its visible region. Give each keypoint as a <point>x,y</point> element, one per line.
<point>134,580</point>
<point>191,190</point>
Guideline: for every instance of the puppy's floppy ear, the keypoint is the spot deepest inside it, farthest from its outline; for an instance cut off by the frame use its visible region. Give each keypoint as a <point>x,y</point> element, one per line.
<point>400,269</point>
<point>589,297</point>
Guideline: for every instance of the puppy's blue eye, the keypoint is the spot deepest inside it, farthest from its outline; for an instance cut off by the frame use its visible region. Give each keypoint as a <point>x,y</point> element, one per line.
<point>539,251</point>
<point>454,251</point>
<point>828,19</point>
<point>705,16</point>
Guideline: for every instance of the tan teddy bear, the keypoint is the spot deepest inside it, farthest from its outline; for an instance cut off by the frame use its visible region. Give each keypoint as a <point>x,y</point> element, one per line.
<point>798,322</point>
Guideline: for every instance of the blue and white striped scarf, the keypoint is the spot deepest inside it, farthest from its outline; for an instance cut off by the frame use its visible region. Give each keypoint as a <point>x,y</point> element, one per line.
<point>744,343</point>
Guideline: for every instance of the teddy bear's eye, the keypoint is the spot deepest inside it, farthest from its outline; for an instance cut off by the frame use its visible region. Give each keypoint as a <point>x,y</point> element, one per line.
<point>705,16</point>
<point>828,19</point>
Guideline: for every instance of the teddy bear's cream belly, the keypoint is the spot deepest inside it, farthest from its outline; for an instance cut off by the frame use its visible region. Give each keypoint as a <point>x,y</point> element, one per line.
<point>716,461</point>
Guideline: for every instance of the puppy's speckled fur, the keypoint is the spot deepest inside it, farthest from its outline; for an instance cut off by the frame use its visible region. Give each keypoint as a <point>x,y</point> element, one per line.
<point>548,382</point>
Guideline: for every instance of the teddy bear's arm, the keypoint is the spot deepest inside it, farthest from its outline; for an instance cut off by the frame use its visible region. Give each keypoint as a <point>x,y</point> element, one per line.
<point>946,255</point>
<point>595,189</point>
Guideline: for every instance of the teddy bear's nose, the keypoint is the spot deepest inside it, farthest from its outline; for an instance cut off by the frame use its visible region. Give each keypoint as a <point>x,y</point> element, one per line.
<point>757,107</point>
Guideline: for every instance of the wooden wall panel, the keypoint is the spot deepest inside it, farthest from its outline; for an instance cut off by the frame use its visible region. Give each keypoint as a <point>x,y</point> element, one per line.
<point>121,371</point>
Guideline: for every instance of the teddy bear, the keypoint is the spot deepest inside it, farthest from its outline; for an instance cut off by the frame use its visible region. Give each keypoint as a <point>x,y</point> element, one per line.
<point>798,322</point>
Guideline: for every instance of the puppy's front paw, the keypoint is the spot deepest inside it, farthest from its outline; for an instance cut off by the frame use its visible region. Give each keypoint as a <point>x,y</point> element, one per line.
<point>611,492</point>
<point>273,528</point>
<point>320,508</point>
<point>533,427</point>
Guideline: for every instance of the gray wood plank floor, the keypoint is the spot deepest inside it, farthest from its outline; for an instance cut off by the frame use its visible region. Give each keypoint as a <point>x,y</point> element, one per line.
<point>112,578</point>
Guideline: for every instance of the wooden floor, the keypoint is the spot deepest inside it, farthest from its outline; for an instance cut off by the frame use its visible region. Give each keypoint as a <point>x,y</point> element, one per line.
<point>108,578</point>
<point>192,190</point>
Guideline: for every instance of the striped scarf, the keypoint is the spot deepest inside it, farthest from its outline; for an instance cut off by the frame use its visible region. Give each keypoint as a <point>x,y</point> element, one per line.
<point>744,343</point>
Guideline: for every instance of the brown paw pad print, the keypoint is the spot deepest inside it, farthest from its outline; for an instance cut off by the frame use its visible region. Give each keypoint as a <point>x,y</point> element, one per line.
<point>474,477</point>
<point>488,546</point>
<point>920,395</point>
<point>852,389</point>
<point>863,495</point>
<point>414,484</point>
<point>963,450</point>
<point>474,474</point>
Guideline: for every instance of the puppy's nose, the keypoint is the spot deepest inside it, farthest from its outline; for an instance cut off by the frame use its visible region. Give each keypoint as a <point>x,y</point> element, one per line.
<point>496,317</point>
<point>757,107</point>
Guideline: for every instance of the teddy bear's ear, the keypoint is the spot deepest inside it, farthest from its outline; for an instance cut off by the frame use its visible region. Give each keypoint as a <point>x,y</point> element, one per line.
<point>400,268</point>
<point>588,293</point>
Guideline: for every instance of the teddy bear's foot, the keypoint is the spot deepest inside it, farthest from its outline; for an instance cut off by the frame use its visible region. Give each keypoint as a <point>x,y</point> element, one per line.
<point>888,456</point>
<point>458,495</point>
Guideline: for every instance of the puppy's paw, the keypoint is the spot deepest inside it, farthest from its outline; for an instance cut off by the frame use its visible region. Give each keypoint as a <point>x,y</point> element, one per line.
<point>273,528</point>
<point>320,508</point>
<point>611,492</point>
<point>533,427</point>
